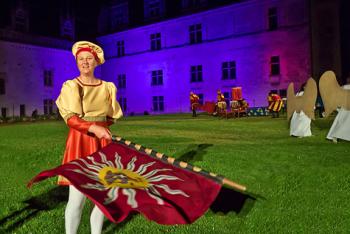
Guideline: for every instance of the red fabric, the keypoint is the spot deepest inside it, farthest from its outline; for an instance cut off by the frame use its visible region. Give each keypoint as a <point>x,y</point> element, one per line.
<point>208,107</point>
<point>173,195</point>
<point>88,50</point>
<point>79,124</point>
<point>237,93</point>
<point>220,97</point>
<point>194,99</point>
<point>80,143</point>
<point>276,97</point>
<point>195,106</point>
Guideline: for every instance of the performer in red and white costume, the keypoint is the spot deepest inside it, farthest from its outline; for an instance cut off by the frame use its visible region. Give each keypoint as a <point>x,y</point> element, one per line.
<point>275,104</point>
<point>194,100</point>
<point>88,105</point>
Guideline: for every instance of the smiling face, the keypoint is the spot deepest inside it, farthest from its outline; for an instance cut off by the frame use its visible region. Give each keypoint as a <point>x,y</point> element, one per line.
<point>86,63</point>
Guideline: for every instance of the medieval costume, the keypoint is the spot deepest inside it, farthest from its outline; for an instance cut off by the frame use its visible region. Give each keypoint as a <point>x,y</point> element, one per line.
<point>275,104</point>
<point>302,107</point>
<point>243,105</point>
<point>194,101</point>
<point>221,105</point>
<point>300,125</point>
<point>220,97</point>
<point>97,105</point>
<point>340,128</point>
<point>337,98</point>
<point>88,109</point>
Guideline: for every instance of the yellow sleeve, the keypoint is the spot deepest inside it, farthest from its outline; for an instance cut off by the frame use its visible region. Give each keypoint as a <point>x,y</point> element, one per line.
<point>68,102</point>
<point>115,112</point>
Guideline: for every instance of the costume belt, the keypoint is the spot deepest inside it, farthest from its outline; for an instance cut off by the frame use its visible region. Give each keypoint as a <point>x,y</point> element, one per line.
<point>95,118</point>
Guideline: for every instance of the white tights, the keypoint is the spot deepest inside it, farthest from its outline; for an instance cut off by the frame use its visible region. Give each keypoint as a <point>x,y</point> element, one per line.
<point>73,212</point>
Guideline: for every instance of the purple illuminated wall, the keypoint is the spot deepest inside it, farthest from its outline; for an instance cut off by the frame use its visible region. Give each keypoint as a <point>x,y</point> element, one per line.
<point>234,33</point>
<point>22,67</point>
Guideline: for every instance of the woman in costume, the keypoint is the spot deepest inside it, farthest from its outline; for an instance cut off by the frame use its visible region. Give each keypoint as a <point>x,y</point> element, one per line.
<point>88,106</point>
<point>302,106</point>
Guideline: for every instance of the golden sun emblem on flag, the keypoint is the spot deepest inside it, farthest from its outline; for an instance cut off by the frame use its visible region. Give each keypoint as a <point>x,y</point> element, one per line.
<point>112,176</point>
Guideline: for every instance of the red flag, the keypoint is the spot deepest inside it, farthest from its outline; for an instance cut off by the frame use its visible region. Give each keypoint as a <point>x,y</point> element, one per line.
<point>120,180</point>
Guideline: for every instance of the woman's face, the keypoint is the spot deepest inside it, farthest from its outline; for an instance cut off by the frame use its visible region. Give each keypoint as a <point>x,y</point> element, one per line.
<point>86,62</point>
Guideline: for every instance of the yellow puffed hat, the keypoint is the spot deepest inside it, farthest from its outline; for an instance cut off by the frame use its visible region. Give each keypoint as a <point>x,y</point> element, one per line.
<point>90,47</point>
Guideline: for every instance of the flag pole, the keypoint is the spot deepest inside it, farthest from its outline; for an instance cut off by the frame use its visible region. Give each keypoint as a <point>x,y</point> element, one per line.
<point>184,165</point>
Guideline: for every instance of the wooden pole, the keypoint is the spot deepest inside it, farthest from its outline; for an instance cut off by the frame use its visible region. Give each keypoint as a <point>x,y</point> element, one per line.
<point>184,165</point>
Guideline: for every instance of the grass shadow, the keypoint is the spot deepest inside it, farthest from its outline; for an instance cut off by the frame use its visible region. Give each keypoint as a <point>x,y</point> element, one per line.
<point>230,200</point>
<point>324,123</point>
<point>33,206</point>
<point>194,153</point>
<point>110,227</point>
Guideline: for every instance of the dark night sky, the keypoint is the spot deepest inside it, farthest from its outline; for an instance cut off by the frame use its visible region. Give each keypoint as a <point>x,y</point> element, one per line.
<point>345,36</point>
<point>45,15</point>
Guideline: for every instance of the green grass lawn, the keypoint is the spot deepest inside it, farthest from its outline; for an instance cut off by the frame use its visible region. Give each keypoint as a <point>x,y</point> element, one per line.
<point>302,185</point>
